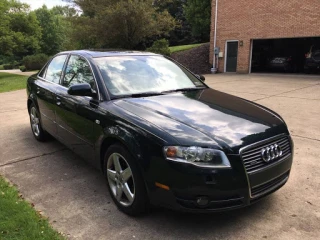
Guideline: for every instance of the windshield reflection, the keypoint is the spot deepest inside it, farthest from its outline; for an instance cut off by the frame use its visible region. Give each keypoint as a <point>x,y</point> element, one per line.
<point>127,75</point>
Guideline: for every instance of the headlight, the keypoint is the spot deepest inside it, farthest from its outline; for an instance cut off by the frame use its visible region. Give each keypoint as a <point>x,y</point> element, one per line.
<point>202,157</point>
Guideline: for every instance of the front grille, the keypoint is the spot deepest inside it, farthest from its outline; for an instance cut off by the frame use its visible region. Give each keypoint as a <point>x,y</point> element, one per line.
<point>270,186</point>
<point>252,158</point>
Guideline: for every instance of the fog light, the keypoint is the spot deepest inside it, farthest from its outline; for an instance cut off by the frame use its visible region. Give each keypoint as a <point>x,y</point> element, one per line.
<point>202,201</point>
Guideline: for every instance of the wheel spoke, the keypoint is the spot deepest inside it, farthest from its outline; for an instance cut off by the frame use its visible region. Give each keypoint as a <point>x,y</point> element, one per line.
<point>37,129</point>
<point>33,111</point>
<point>116,163</point>
<point>126,174</point>
<point>127,192</point>
<point>118,193</point>
<point>111,174</point>
<point>32,117</point>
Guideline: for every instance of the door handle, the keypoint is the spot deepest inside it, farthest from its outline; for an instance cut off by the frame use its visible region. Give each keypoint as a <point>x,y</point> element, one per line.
<point>58,101</point>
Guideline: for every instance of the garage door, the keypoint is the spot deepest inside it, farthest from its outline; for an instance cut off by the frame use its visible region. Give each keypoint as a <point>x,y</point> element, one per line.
<point>286,55</point>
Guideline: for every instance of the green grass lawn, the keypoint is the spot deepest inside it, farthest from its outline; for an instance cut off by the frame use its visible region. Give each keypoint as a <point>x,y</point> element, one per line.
<point>11,82</point>
<point>18,220</point>
<point>183,47</point>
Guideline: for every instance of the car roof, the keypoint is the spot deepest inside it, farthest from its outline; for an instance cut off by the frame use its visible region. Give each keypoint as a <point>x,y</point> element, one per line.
<point>109,53</point>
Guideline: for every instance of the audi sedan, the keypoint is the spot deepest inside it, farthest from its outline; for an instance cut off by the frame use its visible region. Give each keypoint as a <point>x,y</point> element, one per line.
<point>158,133</point>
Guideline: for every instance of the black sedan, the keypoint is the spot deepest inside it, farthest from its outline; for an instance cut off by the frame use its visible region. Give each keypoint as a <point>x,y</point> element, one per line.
<point>312,60</point>
<point>159,134</point>
<point>285,64</point>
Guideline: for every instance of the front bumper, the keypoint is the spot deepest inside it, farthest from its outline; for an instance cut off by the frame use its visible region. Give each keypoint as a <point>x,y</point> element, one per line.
<point>279,65</point>
<point>312,65</point>
<point>225,189</point>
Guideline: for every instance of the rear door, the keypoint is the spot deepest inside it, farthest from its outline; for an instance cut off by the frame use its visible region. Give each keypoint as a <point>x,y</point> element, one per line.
<point>75,114</point>
<point>46,85</point>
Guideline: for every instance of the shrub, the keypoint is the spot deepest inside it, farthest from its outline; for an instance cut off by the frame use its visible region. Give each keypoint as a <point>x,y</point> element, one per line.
<point>8,66</point>
<point>1,67</point>
<point>23,68</point>
<point>35,62</point>
<point>16,64</point>
<point>160,46</point>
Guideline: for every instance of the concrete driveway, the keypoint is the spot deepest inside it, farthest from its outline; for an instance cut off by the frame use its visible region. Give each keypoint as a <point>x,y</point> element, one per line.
<point>75,198</point>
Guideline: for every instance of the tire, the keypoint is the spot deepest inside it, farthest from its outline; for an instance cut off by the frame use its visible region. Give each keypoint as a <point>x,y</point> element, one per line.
<point>35,124</point>
<point>124,181</point>
<point>307,70</point>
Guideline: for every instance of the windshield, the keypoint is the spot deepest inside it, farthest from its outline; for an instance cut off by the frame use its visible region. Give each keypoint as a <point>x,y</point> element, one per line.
<point>128,75</point>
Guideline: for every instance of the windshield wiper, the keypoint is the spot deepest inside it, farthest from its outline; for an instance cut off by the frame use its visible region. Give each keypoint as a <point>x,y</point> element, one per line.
<point>149,94</point>
<point>137,95</point>
<point>145,94</point>
<point>183,89</point>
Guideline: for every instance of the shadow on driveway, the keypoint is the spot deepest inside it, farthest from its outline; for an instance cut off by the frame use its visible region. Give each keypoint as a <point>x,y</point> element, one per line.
<point>75,197</point>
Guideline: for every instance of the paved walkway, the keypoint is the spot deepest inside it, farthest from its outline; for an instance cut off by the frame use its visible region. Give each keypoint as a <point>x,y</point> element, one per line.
<point>18,72</point>
<point>75,198</point>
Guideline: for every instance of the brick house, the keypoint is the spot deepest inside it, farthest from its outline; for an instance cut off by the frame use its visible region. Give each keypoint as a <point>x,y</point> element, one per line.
<point>243,26</point>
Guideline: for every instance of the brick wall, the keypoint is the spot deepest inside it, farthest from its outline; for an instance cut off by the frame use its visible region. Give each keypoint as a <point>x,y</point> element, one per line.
<point>258,19</point>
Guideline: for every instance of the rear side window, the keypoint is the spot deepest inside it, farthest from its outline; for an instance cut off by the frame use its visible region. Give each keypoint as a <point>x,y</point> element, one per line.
<point>54,70</point>
<point>42,73</point>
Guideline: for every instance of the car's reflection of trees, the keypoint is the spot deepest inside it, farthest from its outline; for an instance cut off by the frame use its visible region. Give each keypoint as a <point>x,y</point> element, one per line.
<point>77,123</point>
<point>78,72</point>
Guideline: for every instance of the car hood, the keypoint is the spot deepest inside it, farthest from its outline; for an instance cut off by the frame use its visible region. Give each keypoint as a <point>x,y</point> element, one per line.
<point>207,117</point>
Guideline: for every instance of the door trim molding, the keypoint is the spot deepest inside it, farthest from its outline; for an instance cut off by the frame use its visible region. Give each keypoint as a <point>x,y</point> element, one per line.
<point>226,52</point>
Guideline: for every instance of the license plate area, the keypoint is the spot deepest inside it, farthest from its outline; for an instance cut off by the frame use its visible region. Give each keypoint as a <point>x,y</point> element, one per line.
<point>269,178</point>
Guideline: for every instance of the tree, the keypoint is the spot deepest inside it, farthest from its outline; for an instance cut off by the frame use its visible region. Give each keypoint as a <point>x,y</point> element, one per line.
<point>198,14</point>
<point>65,11</point>
<point>119,23</point>
<point>20,32</point>
<point>182,33</point>
<point>54,28</point>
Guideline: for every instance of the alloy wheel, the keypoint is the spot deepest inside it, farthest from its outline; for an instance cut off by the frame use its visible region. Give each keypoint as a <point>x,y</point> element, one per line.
<point>120,179</point>
<point>35,121</point>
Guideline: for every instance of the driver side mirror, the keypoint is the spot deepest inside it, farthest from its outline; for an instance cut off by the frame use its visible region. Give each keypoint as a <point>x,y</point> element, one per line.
<point>201,77</point>
<point>83,89</point>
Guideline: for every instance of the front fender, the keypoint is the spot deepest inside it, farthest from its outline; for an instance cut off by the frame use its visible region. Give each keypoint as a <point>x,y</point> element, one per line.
<point>138,142</point>
<point>125,136</point>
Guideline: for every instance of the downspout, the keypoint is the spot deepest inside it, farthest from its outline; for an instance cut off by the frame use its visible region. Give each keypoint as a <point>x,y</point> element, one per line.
<point>214,69</point>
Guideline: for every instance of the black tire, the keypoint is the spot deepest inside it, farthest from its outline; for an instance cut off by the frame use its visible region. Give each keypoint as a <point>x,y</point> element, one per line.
<point>140,203</point>
<point>40,134</point>
<point>307,71</point>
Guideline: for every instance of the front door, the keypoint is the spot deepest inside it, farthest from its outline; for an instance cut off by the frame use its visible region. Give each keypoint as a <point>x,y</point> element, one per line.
<point>75,114</point>
<point>232,56</point>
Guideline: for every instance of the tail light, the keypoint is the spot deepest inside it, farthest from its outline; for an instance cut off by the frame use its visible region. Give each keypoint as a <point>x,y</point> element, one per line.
<point>289,59</point>
<point>308,55</point>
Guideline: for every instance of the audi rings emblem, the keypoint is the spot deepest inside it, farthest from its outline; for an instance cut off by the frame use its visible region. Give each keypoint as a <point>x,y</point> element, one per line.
<point>271,152</point>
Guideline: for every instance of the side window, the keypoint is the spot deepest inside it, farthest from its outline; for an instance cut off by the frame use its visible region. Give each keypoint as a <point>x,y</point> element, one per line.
<point>78,71</point>
<point>54,69</point>
<point>41,74</point>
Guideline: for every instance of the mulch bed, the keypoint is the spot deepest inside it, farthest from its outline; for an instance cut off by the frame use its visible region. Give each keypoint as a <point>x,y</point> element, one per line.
<point>195,59</point>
